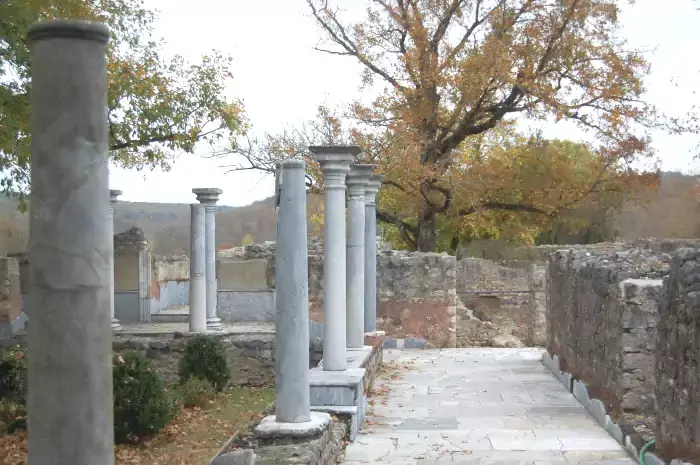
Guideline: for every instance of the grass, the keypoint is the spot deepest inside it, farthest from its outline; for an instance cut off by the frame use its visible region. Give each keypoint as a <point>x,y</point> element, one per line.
<point>192,438</point>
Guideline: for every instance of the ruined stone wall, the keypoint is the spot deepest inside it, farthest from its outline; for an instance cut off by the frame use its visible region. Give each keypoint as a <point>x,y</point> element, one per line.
<point>417,295</point>
<point>503,302</point>
<point>601,321</point>
<point>678,360</point>
<point>11,318</point>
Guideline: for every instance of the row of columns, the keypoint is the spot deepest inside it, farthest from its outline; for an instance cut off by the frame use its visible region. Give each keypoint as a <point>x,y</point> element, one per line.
<point>349,271</point>
<point>349,299</point>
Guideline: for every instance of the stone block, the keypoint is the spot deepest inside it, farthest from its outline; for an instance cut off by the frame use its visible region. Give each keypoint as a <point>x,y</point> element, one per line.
<point>237,457</point>
<point>269,428</point>
<point>349,412</point>
<point>651,459</point>
<point>247,275</point>
<point>598,411</point>
<point>339,389</point>
<point>580,392</point>
<point>566,380</point>
<point>614,430</point>
<point>631,449</point>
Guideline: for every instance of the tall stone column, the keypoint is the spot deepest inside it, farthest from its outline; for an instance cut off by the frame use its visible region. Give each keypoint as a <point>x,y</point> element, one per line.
<point>357,180</point>
<point>208,197</point>
<point>70,340</point>
<point>335,164</point>
<point>375,182</point>
<point>292,299</point>
<point>114,322</point>
<point>198,284</point>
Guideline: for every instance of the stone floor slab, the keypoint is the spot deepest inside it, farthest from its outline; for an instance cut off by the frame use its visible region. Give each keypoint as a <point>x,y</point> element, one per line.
<point>479,407</point>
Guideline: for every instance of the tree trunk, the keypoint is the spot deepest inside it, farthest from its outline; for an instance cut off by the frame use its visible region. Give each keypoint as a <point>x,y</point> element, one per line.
<point>426,239</point>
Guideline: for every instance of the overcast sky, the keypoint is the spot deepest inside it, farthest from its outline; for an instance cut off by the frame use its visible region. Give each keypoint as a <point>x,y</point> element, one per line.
<point>282,80</point>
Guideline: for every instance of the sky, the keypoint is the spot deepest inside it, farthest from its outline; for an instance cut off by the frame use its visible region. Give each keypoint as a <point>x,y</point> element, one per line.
<point>281,80</point>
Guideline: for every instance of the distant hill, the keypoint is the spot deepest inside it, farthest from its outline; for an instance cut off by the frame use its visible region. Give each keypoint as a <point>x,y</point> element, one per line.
<point>672,211</point>
<point>166,225</point>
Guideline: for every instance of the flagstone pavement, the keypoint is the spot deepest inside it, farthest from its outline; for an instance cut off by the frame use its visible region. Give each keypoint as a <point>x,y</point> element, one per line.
<point>477,407</point>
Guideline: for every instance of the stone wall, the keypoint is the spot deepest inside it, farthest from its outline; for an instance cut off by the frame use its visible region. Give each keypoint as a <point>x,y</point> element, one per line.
<point>132,277</point>
<point>11,317</point>
<point>678,360</point>
<point>626,323</point>
<point>170,282</point>
<point>417,294</point>
<point>503,302</point>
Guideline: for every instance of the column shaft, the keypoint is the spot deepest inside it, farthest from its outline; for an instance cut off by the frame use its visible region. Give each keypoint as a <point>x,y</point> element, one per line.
<point>198,289</point>
<point>371,253</point>
<point>356,181</point>
<point>70,341</point>
<point>114,322</point>
<point>213,321</point>
<point>335,163</point>
<point>292,299</point>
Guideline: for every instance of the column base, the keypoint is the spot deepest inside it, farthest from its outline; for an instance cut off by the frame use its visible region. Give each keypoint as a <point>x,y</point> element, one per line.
<point>375,333</point>
<point>269,428</point>
<point>214,324</point>
<point>114,324</point>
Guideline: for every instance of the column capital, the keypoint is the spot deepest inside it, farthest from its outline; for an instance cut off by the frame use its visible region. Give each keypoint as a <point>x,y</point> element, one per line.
<point>335,163</point>
<point>114,196</point>
<point>372,187</point>
<point>357,179</point>
<point>207,195</point>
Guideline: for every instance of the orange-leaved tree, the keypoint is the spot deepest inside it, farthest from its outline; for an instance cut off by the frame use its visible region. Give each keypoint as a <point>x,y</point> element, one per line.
<point>450,70</point>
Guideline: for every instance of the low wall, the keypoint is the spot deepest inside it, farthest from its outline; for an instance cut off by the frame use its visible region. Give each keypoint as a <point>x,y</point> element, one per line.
<point>626,324</point>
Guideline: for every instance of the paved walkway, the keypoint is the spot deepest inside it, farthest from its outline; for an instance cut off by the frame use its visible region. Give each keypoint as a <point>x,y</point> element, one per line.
<point>478,407</point>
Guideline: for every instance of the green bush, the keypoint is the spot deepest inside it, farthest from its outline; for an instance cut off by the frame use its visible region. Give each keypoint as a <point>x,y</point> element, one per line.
<point>197,392</point>
<point>142,406</point>
<point>13,376</point>
<point>13,417</point>
<point>204,358</point>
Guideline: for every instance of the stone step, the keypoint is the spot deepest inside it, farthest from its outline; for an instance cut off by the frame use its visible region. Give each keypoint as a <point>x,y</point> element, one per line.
<point>171,315</point>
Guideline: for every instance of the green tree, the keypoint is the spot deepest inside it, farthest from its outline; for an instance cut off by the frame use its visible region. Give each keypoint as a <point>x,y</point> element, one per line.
<point>156,107</point>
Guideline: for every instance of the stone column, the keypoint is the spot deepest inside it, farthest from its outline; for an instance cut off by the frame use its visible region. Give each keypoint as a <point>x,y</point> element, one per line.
<point>335,163</point>
<point>114,322</point>
<point>198,284</point>
<point>70,340</point>
<point>357,180</point>
<point>375,182</point>
<point>292,299</point>
<point>208,197</point>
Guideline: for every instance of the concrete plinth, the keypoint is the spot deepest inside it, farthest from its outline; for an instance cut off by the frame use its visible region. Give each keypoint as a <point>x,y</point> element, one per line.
<point>357,180</point>
<point>208,197</point>
<point>371,191</point>
<point>114,322</point>
<point>292,299</point>
<point>198,290</point>
<point>270,428</point>
<point>335,163</point>
<point>70,340</point>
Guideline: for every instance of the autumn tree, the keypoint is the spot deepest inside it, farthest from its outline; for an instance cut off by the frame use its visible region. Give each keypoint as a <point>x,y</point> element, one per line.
<point>454,69</point>
<point>157,107</point>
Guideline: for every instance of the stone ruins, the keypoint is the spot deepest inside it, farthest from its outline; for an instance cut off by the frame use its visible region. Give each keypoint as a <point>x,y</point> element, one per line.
<point>620,322</point>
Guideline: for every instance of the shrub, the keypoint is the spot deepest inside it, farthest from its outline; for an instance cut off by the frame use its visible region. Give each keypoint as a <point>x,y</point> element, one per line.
<point>204,358</point>
<point>197,392</point>
<point>13,416</point>
<point>13,376</point>
<point>142,406</point>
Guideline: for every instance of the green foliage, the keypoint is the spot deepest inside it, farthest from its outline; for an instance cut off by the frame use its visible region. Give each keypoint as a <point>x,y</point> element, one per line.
<point>13,416</point>
<point>13,376</point>
<point>197,392</point>
<point>157,107</point>
<point>204,358</point>
<point>142,406</point>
